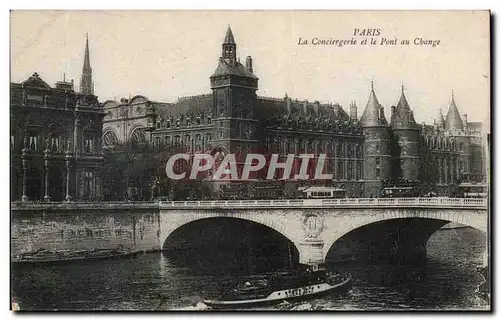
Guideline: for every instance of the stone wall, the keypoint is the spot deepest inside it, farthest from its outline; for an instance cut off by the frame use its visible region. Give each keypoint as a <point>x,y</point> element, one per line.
<point>82,230</point>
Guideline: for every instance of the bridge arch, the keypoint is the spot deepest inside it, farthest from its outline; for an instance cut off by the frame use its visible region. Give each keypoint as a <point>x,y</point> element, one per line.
<point>334,231</point>
<point>169,223</point>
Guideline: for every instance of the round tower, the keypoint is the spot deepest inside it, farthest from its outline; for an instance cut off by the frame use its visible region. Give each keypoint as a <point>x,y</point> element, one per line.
<point>377,147</point>
<point>406,133</point>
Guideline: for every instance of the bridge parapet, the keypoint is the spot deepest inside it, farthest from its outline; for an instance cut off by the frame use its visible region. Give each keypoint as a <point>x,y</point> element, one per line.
<point>466,203</point>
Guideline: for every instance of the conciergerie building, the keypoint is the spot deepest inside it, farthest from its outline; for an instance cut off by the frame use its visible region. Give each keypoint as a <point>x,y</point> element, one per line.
<point>363,153</point>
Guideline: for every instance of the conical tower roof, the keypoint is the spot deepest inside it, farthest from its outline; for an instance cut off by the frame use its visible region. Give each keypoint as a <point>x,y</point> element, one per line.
<point>403,116</point>
<point>371,115</point>
<point>453,119</point>
<point>229,36</point>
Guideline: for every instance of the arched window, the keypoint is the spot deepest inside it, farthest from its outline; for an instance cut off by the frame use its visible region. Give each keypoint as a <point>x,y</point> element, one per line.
<point>109,139</point>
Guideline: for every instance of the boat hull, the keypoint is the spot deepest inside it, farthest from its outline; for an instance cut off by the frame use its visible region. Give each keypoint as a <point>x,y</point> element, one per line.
<point>297,294</point>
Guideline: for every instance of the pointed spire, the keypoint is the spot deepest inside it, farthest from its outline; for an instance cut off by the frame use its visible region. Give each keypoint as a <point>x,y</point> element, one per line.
<point>371,114</point>
<point>86,85</point>
<point>229,36</point>
<point>453,119</point>
<point>403,116</point>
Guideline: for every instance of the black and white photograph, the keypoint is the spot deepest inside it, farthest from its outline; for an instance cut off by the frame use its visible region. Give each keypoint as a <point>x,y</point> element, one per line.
<point>246,161</point>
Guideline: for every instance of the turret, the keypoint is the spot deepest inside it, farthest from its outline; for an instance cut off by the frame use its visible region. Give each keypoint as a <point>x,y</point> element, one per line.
<point>377,146</point>
<point>453,120</point>
<point>406,134</point>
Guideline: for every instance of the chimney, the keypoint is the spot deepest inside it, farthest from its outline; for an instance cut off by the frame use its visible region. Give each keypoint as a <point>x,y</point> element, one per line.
<point>305,107</point>
<point>435,125</point>
<point>423,128</point>
<point>381,113</point>
<point>316,107</point>
<point>465,120</point>
<point>353,114</point>
<point>410,116</point>
<point>393,111</point>
<point>249,64</point>
<point>288,104</point>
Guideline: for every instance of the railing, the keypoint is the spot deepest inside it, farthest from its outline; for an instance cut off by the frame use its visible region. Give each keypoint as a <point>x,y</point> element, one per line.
<point>343,202</point>
<point>280,203</point>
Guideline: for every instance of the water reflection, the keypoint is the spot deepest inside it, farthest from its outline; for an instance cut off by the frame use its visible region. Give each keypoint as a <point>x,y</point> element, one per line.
<point>169,281</point>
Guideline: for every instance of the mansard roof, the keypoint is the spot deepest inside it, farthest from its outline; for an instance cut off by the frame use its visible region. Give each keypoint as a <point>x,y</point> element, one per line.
<point>278,110</point>
<point>192,106</point>
<point>228,67</point>
<point>373,114</point>
<point>403,116</point>
<point>453,119</point>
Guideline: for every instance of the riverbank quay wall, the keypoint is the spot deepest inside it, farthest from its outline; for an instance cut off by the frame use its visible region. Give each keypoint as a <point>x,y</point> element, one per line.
<point>77,228</point>
<point>83,227</point>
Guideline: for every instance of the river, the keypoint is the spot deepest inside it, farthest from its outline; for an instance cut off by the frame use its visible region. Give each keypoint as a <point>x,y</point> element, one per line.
<point>157,281</point>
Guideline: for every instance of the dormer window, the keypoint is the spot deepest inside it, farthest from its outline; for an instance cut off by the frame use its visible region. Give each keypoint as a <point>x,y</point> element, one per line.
<point>188,122</point>
<point>198,121</point>
<point>177,123</point>
<point>209,120</point>
<point>158,125</point>
<point>168,124</point>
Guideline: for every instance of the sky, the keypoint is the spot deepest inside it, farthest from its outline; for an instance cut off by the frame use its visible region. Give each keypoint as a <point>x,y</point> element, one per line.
<point>167,54</point>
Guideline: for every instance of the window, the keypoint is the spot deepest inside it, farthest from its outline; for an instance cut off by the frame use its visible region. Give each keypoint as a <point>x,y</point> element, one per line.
<point>198,142</point>
<point>177,123</point>
<point>359,169</point>
<point>54,143</point>
<point>89,144</point>
<point>340,169</point>
<point>350,175</point>
<point>221,134</point>
<point>157,142</point>
<point>377,167</point>
<point>198,121</point>
<point>158,124</point>
<point>12,142</point>
<point>33,141</point>
<point>167,140</point>
<point>209,120</point>
<point>188,122</point>
<point>168,124</point>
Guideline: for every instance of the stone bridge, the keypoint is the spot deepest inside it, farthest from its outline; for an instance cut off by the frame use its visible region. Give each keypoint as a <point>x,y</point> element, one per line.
<point>313,226</point>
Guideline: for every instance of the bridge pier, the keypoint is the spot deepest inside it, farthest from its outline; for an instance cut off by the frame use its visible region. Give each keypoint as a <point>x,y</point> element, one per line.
<point>311,251</point>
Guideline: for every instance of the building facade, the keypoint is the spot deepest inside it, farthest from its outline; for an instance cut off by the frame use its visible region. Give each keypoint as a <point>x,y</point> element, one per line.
<point>363,154</point>
<point>56,139</point>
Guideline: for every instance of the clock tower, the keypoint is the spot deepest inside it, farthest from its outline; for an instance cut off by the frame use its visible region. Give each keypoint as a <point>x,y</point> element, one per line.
<point>234,97</point>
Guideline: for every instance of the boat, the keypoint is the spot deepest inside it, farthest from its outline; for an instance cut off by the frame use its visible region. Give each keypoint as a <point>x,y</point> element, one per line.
<point>282,286</point>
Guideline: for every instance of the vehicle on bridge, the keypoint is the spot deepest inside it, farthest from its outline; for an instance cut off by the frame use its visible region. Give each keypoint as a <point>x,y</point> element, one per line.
<point>324,193</point>
<point>290,285</point>
<point>473,190</point>
<point>399,192</point>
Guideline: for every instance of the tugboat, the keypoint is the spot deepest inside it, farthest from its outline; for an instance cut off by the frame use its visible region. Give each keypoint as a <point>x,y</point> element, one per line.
<point>277,287</point>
